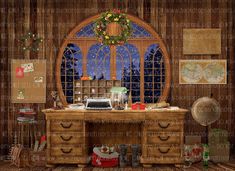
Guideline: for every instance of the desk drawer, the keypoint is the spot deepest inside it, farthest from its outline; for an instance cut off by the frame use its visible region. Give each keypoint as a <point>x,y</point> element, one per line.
<point>164,125</point>
<point>163,151</point>
<point>163,138</point>
<point>66,151</point>
<point>66,125</point>
<point>66,138</point>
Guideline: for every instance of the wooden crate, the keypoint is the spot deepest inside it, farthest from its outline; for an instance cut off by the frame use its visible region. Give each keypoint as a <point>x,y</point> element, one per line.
<point>37,158</point>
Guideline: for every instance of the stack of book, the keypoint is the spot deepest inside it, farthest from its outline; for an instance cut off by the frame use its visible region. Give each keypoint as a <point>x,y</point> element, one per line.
<point>26,115</point>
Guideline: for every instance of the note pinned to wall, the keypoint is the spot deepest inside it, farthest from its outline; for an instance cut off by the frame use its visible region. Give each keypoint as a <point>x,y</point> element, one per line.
<point>201,41</point>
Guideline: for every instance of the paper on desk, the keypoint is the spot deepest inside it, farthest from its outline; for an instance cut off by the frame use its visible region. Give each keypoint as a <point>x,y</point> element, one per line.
<point>168,108</point>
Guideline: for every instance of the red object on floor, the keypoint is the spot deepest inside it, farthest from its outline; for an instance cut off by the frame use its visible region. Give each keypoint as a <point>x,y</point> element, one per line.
<point>43,138</point>
<point>103,162</point>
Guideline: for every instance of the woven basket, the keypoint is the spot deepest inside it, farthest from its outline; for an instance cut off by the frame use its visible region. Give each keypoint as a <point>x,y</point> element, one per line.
<point>113,29</point>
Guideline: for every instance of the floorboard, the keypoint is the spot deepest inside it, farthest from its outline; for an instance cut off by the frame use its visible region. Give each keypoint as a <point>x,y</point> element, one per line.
<point>6,166</point>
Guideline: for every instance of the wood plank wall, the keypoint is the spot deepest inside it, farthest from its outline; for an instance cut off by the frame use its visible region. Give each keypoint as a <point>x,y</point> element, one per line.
<point>53,20</point>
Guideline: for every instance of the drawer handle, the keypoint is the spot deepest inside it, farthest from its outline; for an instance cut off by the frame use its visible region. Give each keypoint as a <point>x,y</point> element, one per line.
<point>66,139</point>
<point>163,138</point>
<point>163,126</point>
<point>66,126</point>
<point>66,152</point>
<point>163,152</point>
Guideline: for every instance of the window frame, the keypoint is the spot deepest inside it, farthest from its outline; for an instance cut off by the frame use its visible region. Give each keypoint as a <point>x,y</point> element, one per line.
<point>138,42</point>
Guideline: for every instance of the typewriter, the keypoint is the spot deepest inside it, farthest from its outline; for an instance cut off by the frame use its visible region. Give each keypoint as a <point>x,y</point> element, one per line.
<point>98,104</point>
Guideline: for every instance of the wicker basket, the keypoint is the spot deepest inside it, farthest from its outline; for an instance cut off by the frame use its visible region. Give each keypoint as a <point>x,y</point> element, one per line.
<point>37,158</point>
<point>113,29</point>
<point>20,156</point>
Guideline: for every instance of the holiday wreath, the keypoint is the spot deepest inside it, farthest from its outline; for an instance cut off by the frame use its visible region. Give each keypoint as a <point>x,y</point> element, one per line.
<point>116,19</point>
<point>30,42</point>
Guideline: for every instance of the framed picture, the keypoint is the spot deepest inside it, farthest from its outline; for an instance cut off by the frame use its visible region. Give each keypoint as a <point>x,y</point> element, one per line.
<point>201,41</point>
<point>203,72</point>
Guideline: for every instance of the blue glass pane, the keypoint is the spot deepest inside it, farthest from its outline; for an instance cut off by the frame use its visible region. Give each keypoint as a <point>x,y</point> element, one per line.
<point>71,68</point>
<point>148,85</point>
<point>69,78</point>
<point>138,31</point>
<point>63,85</point>
<point>69,99</point>
<point>135,99</point>
<point>128,68</point>
<point>157,86</point>
<point>148,99</point>
<point>135,92</point>
<point>135,86</point>
<point>69,92</point>
<point>69,85</point>
<point>157,93</point>
<point>98,62</point>
<point>154,73</point>
<point>87,31</point>
<point>62,79</point>
<point>148,93</point>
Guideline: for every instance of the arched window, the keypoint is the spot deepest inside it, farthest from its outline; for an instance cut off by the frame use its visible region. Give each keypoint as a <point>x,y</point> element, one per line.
<point>142,64</point>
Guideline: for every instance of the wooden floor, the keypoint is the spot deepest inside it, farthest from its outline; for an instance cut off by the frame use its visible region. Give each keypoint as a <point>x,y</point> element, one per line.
<point>5,166</point>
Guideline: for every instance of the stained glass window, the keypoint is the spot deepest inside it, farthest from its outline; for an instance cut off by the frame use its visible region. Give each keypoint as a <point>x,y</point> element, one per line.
<point>98,62</point>
<point>154,74</point>
<point>71,69</point>
<point>128,69</point>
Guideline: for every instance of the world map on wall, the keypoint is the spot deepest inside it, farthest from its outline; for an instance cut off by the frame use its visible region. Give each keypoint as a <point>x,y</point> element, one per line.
<point>202,72</point>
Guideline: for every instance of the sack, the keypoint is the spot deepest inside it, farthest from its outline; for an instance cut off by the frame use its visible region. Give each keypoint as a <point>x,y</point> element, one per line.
<point>100,159</point>
<point>193,153</point>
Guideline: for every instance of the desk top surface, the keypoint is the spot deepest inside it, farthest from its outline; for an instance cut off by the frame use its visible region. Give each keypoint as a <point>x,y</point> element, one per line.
<point>160,110</point>
<point>115,115</point>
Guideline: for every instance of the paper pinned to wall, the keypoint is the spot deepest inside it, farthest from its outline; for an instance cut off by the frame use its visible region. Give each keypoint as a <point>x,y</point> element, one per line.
<point>19,72</point>
<point>38,79</point>
<point>20,94</point>
<point>28,67</point>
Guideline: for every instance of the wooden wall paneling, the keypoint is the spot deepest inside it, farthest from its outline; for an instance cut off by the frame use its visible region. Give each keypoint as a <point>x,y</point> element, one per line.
<point>221,92</point>
<point>3,59</point>
<point>10,48</point>
<point>154,19</point>
<point>231,66</point>
<point>40,30</point>
<point>232,63</point>
<point>140,9</point>
<point>177,15</point>
<point>50,49</point>
<point>215,23</point>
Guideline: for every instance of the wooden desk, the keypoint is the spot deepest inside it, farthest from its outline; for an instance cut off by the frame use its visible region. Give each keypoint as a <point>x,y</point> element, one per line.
<point>162,134</point>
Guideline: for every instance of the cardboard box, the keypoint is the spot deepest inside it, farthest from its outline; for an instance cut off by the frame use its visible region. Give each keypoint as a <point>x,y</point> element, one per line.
<point>192,139</point>
<point>219,152</point>
<point>217,136</point>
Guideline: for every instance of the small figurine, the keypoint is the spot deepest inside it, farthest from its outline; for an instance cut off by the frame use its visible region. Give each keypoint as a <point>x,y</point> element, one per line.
<point>57,103</point>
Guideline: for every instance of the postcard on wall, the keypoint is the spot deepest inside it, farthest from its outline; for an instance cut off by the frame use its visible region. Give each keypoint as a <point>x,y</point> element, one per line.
<point>20,94</point>
<point>203,72</point>
<point>38,79</point>
<point>28,67</point>
<point>19,72</point>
